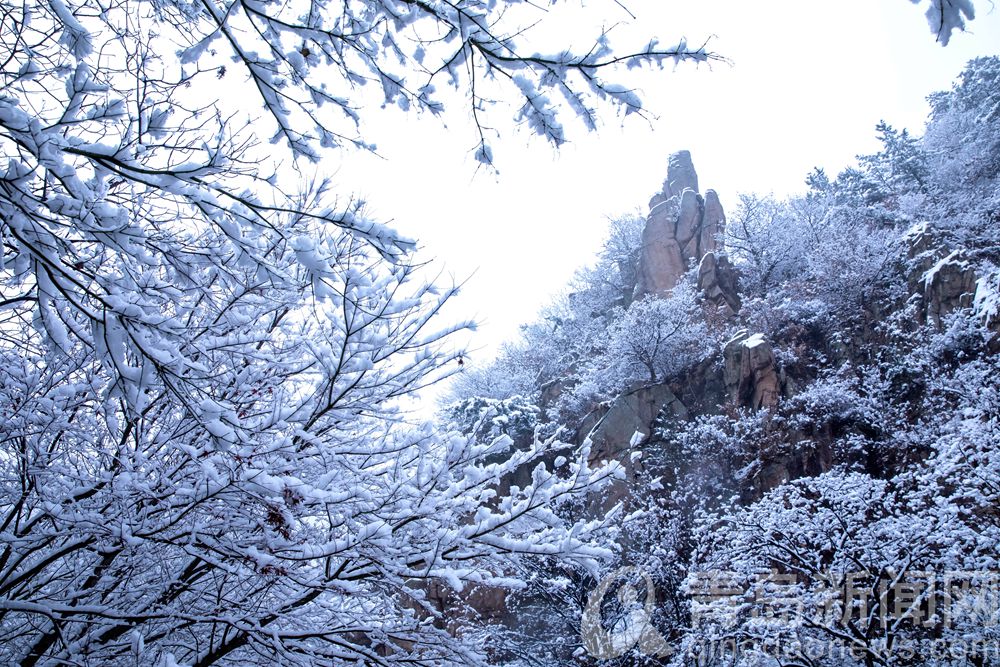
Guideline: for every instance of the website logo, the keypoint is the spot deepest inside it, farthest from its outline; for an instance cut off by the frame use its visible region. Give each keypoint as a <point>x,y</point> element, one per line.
<point>630,628</point>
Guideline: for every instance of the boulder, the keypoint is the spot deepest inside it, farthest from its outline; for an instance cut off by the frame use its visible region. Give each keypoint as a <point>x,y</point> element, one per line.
<point>750,371</point>
<point>689,217</point>
<point>660,261</point>
<point>621,431</point>
<point>713,222</point>
<point>717,283</point>
<point>632,412</point>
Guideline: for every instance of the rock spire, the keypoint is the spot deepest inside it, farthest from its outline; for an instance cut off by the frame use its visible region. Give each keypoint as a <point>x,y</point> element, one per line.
<point>681,227</point>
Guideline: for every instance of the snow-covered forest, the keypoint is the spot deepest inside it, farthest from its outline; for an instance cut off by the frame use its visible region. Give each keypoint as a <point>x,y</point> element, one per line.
<point>805,413</point>
<point>771,426</point>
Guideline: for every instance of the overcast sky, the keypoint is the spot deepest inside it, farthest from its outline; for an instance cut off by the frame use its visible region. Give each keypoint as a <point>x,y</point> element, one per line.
<point>806,85</point>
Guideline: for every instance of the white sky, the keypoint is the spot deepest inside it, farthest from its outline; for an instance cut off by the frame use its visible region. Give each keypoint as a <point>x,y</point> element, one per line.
<point>807,84</point>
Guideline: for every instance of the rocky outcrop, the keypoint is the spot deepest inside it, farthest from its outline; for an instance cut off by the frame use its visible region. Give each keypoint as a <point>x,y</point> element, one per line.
<point>661,263</point>
<point>622,429</point>
<point>948,285</point>
<point>945,279</point>
<point>717,283</point>
<point>681,175</point>
<point>632,412</point>
<point>750,372</point>
<point>681,227</point>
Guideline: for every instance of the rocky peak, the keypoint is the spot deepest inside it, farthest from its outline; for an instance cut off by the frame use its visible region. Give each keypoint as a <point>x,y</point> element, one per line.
<point>681,227</point>
<point>681,175</point>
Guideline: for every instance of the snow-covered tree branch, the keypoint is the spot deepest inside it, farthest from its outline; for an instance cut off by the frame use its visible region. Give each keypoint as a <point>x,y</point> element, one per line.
<point>202,456</point>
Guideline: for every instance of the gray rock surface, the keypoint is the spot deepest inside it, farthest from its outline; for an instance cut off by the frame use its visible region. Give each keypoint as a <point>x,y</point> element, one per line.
<point>622,430</point>
<point>948,286</point>
<point>717,282</point>
<point>944,278</point>
<point>632,412</point>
